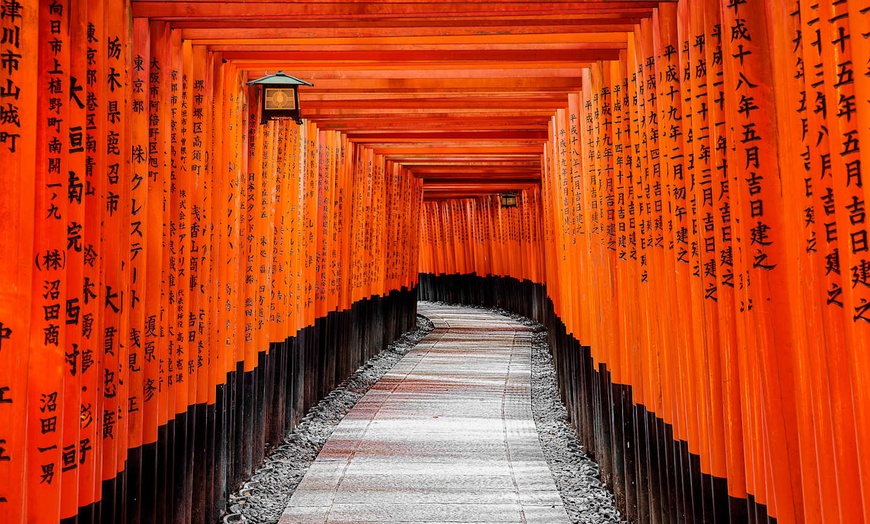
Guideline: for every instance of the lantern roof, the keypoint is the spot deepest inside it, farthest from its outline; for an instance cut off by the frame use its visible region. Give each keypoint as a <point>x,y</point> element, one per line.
<point>280,78</point>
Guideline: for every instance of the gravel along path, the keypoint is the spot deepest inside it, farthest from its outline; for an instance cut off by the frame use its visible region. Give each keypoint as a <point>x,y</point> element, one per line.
<point>263,499</point>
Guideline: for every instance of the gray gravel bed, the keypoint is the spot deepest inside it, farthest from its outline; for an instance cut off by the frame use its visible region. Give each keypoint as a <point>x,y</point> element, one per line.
<point>263,498</point>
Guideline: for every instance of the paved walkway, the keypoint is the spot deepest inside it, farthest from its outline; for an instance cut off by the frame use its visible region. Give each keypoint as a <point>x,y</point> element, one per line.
<point>446,436</point>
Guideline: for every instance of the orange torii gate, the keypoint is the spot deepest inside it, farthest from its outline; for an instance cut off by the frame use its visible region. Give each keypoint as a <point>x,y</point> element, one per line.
<point>180,283</point>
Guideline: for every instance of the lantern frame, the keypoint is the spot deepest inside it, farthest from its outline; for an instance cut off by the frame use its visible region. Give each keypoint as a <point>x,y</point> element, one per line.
<point>508,200</point>
<point>279,82</point>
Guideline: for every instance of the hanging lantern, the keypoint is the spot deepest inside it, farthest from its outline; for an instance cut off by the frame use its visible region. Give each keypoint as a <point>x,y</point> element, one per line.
<point>279,96</point>
<point>508,200</point>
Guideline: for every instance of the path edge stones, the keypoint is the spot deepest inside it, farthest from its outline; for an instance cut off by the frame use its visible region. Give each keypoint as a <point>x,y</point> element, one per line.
<point>263,498</point>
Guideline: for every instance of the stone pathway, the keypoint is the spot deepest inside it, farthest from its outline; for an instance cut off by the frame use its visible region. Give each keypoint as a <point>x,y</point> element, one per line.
<point>446,436</point>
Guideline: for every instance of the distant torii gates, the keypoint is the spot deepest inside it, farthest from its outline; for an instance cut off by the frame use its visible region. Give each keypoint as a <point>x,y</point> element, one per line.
<point>178,283</point>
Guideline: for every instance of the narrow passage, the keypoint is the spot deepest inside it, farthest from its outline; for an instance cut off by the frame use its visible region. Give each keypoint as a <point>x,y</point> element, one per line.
<point>446,436</point>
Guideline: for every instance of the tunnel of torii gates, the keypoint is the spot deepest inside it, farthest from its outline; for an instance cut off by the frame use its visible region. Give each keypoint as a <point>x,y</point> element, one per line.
<point>181,283</point>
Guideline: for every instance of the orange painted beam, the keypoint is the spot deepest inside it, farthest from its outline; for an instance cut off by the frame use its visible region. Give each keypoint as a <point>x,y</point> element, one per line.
<point>226,30</point>
<point>446,42</point>
<point>434,135</point>
<point>387,55</point>
<point>373,10</point>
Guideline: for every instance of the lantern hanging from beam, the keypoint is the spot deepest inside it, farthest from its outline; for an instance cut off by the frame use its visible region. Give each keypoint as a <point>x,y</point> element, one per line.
<point>508,200</point>
<point>279,96</point>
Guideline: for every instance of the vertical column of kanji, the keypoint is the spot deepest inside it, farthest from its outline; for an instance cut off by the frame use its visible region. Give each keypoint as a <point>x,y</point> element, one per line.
<point>611,349</point>
<point>456,220</point>
<point>219,354</point>
<point>438,237</point>
<point>90,449</point>
<point>661,368</point>
<point>705,259</point>
<point>237,262</point>
<point>754,456</point>
<point>517,239</point>
<point>534,228</point>
<point>482,266</point>
<point>201,247</point>
<point>195,220</point>
<point>342,229</point>
<point>520,232</point>
<point>590,199</point>
<point>336,282</point>
<point>476,236</point>
<point>378,237</point>
<point>283,263</point>
<point>75,265</point>
<point>333,258</point>
<point>568,272</point>
<point>414,228</point>
<point>278,256</point>
<point>761,247</point>
<point>525,237</point>
<point>616,257</point>
<point>813,398</point>
<point>213,152</point>
<point>282,267</point>
<point>324,180</point>
<point>230,262</point>
<point>603,276</point>
<point>668,120</point>
<point>438,220</point>
<point>18,146</point>
<point>722,257</point>
<point>626,249</point>
<point>425,264</point>
<point>443,239</point>
<point>646,378</point>
<point>409,233</point>
<point>459,233</point>
<point>449,240</point>
<point>639,352</point>
<point>253,152</point>
<point>115,251</point>
<point>136,262</point>
<point>839,40</point>
<point>177,247</point>
<point>516,255</point>
<point>458,214</point>
<point>155,389</point>
<point>312,162</point>
<point>549,183</point>
<point>153,342</point>
<point>689,285</point>
<point>394,244</point>
<point>693,132</point>
<point>45,394</point>
<point>676,234</point>
<point>265,216</point>
<point>860,29</point>
<point>467,230</point>
<point>586,123</point>
<point>546,218</point>
<point>407,242</point>
<point>294,181</point>
<point>356,232</point>
<point>576,217</point>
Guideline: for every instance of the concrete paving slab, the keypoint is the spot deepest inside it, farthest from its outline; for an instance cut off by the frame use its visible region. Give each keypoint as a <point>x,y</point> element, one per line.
<point>446,436</point>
